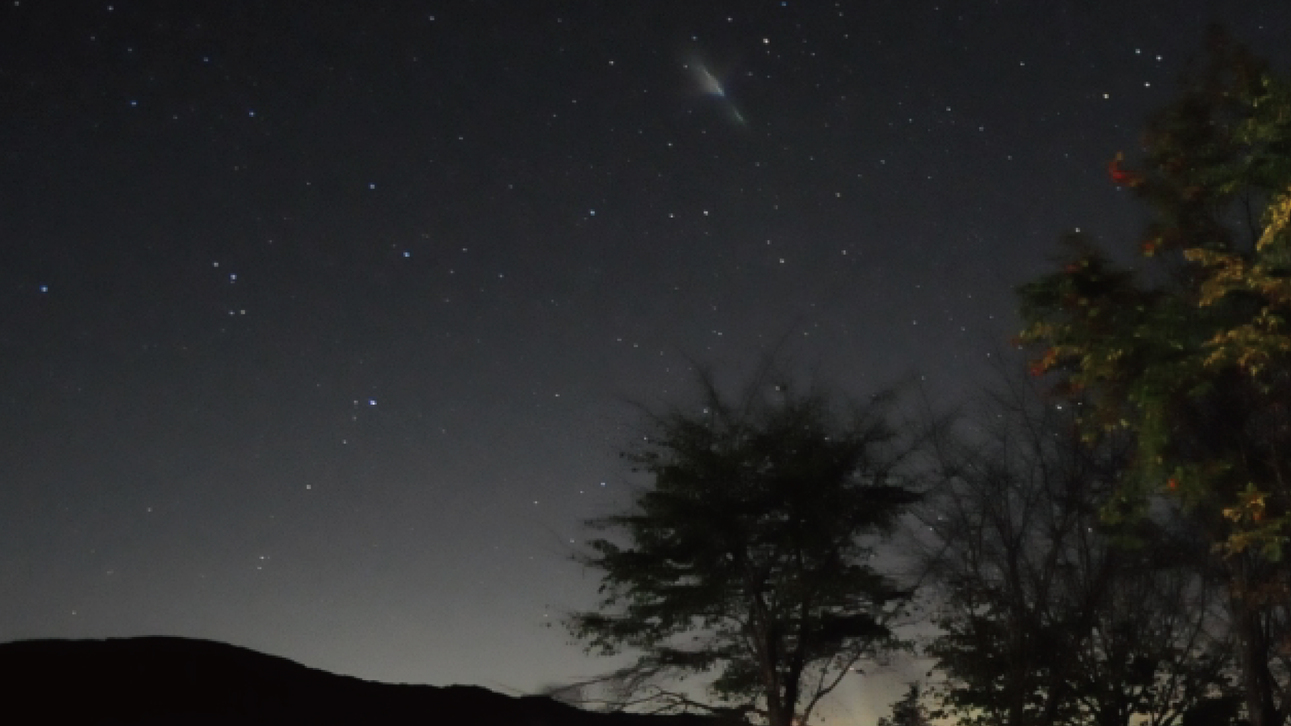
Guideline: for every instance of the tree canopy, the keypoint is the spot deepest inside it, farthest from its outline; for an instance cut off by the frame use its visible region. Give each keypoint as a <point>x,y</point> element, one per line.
<point>748,554</point>
<point>1191,354</point>
<point>1194,357</point>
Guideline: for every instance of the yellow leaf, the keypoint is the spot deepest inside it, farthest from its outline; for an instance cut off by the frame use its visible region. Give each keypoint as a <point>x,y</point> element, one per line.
<point>1279,219</point>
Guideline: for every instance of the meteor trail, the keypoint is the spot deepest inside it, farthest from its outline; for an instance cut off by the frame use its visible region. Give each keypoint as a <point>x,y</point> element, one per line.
<point>708,82</point>
<point>709,85</point>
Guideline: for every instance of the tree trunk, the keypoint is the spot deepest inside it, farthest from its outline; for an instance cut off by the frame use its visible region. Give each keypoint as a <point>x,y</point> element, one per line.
<point>777,714</point>
<point>1257,679</point>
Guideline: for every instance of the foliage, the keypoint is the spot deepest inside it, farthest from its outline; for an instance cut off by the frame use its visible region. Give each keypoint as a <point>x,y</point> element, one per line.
<point>1192,357</point>
<point>748,556</point>
<point>1209,338</point>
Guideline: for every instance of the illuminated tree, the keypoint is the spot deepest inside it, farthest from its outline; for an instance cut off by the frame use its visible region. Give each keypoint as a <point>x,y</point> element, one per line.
<point>1192,354</point>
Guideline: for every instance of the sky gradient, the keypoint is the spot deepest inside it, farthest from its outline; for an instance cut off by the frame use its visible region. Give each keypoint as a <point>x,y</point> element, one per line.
<point>318,324</point>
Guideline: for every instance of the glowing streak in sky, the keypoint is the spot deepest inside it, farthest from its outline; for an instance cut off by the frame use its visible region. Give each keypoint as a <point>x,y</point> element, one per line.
<point>711,86</point>
<point>708,82</point>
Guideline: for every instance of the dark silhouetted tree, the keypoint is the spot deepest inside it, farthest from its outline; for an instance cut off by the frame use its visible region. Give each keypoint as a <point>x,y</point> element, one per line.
<point>909,711</point>
<point>1046,615</point>
<point>747,557</point>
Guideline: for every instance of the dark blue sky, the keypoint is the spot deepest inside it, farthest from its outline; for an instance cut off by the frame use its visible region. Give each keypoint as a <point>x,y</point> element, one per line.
<point>317,321</point>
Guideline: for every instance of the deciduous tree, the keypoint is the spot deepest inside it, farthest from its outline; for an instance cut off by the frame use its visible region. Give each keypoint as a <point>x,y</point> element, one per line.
<point>747,556</point>
<point>1047,615</point>
<point>1192,354</point>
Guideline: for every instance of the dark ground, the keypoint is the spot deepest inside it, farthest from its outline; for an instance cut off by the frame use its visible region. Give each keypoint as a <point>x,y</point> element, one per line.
<point>168,680</point>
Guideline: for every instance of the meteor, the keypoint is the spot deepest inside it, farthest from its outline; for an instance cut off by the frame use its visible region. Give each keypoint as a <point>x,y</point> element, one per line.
<point>709,85</point>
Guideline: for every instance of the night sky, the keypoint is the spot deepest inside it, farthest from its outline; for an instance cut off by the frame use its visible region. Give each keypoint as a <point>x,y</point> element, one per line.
<point>319,323</point>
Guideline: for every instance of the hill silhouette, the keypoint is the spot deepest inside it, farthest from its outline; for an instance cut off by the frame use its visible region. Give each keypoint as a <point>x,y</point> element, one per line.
<point>185,682</point>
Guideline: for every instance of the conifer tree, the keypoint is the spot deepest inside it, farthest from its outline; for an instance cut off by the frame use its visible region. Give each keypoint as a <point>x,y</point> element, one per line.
<point>909,711</point>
